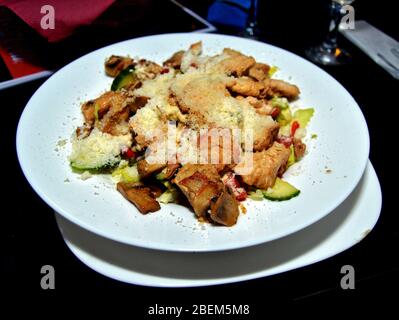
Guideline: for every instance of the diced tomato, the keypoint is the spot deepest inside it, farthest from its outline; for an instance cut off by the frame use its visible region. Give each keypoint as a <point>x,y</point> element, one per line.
<point>294,127</point>
<point>129,153</point>
<point>240,194</point>
<point>287,141</point>
<point>275,112</point>
<point>231,182</point>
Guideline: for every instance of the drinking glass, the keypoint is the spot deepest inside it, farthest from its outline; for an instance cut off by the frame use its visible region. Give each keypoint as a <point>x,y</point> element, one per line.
<point>251,28</point>
<point>328,53</point>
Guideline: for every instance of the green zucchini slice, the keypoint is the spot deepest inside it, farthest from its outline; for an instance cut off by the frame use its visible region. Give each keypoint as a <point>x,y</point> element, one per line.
<point>281,191</point>
<point>124,79</point>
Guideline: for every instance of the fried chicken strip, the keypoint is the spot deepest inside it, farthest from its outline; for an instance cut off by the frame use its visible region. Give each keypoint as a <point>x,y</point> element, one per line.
<point>115,64</point>
<point>266,166</point>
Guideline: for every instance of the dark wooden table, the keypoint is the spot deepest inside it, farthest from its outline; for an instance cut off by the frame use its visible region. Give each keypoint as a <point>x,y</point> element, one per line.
<point>31,239</point>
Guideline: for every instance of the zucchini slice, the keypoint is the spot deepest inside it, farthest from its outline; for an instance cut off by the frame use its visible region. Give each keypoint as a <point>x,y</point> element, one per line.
<point>98,151</point>
<point>256,195</point>
<point>124,79</point>
<point>279,102</point>
<point>169,196</point>
<point>284,117</point>
<point>128,174</point>
<point>79,168</point>
<point>281,191</point>
<point>291,159</point>
<point>303,116</point>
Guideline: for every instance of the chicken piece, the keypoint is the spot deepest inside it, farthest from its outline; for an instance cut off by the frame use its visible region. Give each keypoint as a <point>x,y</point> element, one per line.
<point>175,60</point>
<point>196,48</point>
<point>274,87</point>
<point>198,94</point>
<point>188,170</point>
<point>265,166</point>
<point>235,64</point>
<point>259,71</point>
<point>142,197</point>
<point>191,57</point>
<point>146,69</point>
<point>231,52</point>
<point>83,131</point>
<point>216,146</point>
<point>299,148</point>
<point>115,64</point>
<point>261,106</point>
<point>137,103</point>
<point>199,192</point>
<point>146,169</point>
<point>101,105</point>
<point>152,135</point>
<point>225,209</point>
<point>223,149</point>
<point>155,190</point>
<point>246,86</point>
<point>264,136</point>
<point>88,112</point>
<point>113,121</point>
<point>262,127</point>
<point>168,172</point>
<point>113,110</point>
<point>200,184</point>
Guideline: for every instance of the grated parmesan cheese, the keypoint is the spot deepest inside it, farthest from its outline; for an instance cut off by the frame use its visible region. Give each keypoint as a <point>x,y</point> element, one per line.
<point>99,149</point>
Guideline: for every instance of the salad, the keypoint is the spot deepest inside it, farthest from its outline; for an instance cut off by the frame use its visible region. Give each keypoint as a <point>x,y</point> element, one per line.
<point>207,132</point>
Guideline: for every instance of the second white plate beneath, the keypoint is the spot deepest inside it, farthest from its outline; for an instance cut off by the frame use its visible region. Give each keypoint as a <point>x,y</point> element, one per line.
<point>343,228</point>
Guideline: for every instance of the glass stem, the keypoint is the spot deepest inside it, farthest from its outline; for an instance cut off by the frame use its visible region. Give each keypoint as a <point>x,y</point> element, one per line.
<point>252,18</point>
<point>336,16</point>
<point>251,28</point>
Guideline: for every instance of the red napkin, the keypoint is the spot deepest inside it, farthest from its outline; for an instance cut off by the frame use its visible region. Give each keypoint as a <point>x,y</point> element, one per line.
<point>68,14</point>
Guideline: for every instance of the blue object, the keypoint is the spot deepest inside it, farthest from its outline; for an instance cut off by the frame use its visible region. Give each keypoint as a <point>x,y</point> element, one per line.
<point>232,13</point>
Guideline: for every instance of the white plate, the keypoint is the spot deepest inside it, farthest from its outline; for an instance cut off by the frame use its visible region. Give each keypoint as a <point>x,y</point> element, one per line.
<point>343,228</point>
<point>53,113</point>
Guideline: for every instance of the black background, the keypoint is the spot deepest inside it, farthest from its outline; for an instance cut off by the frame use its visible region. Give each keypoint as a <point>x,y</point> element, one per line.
<point>30,236</point>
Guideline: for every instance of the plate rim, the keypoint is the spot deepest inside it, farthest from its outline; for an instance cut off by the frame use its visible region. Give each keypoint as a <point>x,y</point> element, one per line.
<point>168,247</point>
